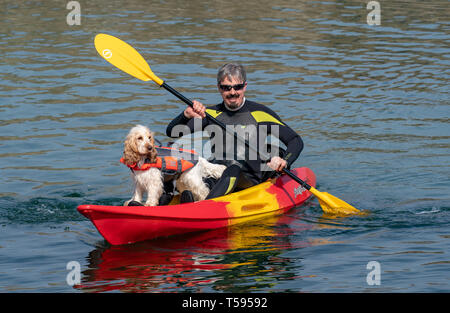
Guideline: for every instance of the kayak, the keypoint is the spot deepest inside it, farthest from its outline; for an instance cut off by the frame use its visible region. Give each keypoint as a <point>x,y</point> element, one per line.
<point>129,224</point>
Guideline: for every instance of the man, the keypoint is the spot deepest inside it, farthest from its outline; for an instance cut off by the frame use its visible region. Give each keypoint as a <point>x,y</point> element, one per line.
<point>256,121</point>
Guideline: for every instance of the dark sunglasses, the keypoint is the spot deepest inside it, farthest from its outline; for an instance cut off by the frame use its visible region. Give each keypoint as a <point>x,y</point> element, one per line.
<point>229,87</point>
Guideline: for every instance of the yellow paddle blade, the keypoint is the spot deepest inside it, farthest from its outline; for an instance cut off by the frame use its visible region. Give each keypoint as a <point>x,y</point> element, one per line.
<point>124,57</point>
<point>333,205</point>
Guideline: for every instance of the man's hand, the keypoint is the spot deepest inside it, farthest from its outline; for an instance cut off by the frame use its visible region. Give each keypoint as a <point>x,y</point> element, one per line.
<point>277,164</point>
<point>197,111</point>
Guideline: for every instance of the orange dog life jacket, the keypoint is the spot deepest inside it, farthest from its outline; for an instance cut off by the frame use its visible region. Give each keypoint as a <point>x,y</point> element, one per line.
<point>168,164</point>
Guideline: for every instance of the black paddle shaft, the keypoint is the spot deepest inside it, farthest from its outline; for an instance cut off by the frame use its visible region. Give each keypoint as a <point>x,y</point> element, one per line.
<point>236,137</point>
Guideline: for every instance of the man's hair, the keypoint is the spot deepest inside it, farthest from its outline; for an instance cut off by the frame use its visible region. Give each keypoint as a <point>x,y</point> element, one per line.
<point>230,70</point>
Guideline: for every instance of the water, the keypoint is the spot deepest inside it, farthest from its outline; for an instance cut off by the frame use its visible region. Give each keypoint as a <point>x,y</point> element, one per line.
<point>370,102</point>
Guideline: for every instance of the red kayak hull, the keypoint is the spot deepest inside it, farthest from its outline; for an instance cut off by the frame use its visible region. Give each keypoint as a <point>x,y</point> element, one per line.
<point>123,224</point>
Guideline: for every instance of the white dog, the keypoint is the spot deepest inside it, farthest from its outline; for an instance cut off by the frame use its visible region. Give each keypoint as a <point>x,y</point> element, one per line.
<point>141,156</point>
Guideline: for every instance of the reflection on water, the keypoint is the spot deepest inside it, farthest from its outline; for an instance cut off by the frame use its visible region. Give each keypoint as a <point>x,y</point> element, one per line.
<point>203,262</point>
<point>370,102</point>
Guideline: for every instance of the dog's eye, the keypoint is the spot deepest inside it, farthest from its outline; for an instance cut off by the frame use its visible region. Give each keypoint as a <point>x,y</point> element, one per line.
<point>140,138</point>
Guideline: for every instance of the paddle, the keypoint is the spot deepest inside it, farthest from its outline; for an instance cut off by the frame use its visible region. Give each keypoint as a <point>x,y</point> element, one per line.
<point>126,58</point>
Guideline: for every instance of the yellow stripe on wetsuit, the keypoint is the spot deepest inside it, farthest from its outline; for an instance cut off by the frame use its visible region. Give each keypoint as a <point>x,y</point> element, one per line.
<point>230,185</point>
<point>261,116</point>
<point>213,113</point>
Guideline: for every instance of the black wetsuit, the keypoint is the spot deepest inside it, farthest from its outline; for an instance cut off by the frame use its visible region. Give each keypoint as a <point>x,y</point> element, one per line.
<point>253,121</point>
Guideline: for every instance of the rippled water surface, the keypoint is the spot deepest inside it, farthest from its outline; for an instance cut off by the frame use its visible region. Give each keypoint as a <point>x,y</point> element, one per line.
<point>370,102</point>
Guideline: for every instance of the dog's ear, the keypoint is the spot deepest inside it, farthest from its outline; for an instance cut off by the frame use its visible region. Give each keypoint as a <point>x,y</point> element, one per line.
<point>153,153</point>
<point>130,154</point>
<point>152,138</point>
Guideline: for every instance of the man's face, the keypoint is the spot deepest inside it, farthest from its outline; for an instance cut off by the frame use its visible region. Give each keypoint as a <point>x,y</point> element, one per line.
<point>232,98</point>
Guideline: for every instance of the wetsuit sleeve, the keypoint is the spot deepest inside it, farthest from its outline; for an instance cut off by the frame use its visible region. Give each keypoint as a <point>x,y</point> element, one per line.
<point>293,142</point>
<point>183,120</point>
<point>293,149</point>
<point>179,120</point>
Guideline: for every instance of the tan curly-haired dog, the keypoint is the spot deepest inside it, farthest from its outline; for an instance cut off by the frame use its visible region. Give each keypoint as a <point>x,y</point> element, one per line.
<point>140,149</point>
